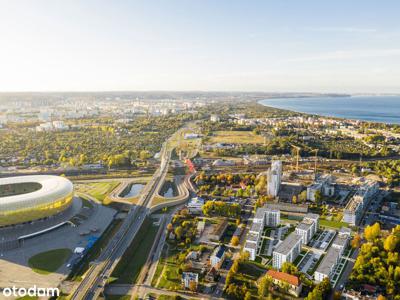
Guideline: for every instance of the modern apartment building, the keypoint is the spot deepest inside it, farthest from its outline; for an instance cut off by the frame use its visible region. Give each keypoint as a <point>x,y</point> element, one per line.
<point>274,177</point>
<point>308,227</point>
<point>287,251</point>
<point>332,257</point>
<point>355,207</point>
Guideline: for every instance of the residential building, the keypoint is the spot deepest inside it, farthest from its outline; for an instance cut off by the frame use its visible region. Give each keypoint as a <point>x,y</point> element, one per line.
<point>323,184</point>
<point>252,249</point>
<point>195,204</point>
<point>294,283</point>
<point>215,118</point>
<point>188,277</point>
<point>332,257</point>
<point>218,230</point>
<point>308,227</point>
<point>218,256</point>
<point>287,251</point>
<point>355,207</point>
<point>272,217</point>
<point>274,177</point>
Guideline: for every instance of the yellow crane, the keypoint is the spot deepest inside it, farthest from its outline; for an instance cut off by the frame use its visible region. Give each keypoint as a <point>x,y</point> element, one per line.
<point>315,160</point>
<point>297,149</point>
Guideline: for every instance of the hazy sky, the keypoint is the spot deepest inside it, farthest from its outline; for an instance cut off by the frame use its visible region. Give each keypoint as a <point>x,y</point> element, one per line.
<point>280,45</point>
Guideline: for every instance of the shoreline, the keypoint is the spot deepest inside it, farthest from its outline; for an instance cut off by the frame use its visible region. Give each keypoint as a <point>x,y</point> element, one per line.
<point>322,114</point>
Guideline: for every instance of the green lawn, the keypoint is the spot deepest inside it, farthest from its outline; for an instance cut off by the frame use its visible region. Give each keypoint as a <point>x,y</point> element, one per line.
<point>98,190</point>
<point>49,261</point>
<point>332,224</point>
<point>128,269</point>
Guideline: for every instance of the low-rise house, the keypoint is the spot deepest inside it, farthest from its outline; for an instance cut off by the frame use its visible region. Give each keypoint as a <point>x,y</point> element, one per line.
<point>195,204</point>
<point>286,280</point>
<point>218,256</point>
<point>189,279</point>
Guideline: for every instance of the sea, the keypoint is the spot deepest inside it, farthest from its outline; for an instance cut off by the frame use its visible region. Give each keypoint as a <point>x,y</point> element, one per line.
<point>383,109</point>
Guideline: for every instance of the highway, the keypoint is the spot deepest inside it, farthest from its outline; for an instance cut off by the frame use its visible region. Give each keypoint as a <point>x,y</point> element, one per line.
<point>100,270</point>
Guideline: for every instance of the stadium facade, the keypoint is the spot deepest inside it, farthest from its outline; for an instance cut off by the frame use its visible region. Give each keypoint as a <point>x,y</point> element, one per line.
<point>28,198</point>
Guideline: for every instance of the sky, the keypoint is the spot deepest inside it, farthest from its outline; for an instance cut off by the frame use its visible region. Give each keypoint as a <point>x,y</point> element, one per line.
<point>225,45</point>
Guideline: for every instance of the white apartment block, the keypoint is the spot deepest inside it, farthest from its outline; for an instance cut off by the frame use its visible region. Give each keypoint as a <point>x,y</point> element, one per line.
<point>355,207</point>
<point>274,177</point>
<point>324,184</point>
<point>308,227</point>
<point>332,257</point>
<point>287,251</point>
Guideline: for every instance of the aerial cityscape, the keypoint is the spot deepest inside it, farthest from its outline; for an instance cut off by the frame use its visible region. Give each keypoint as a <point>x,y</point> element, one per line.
<point>216,173</point>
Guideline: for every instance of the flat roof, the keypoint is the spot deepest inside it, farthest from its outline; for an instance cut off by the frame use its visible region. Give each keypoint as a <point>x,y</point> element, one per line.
<point>250,246</point>
<point>288,244</point>
<point>329,261</point>
<point>52,188</point>
<point>256,227</point>
<point>340,240</point>
<point>259,213</point>
<point>304,225</point>
<point>252,237</point>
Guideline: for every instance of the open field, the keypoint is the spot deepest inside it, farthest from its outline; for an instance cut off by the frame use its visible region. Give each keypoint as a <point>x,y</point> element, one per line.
<point>98,190</point>
<point>236,137</point>
<point>49,261</point>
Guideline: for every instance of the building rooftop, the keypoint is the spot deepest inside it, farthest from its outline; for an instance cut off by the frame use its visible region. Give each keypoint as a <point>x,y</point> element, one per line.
<point>328,261</point>
<point>252,238</point>
<point>311,216</point>
<point>256,227</point>
<point>259,213</point>
<point>250,245</point>
<point>288,244</point>
<point>281,276</point>
<point>305,225</point>
<point>219,251</point>
<point>340,240</point>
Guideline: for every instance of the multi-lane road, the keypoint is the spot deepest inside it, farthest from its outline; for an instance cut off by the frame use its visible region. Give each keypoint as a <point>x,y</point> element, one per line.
<point>100,270</point>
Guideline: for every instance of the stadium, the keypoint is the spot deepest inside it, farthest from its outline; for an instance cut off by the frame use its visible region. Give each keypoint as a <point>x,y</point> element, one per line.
<point>24,199</point>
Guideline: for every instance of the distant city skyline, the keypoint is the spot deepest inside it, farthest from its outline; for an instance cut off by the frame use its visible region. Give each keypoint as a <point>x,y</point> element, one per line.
<point>268,46</point>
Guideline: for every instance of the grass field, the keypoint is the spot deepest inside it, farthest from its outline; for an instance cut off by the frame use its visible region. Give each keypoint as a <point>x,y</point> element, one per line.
<point>98,190</point>
<point>236,137</point>
<point>332,224</point>
<point>128,269</point>
<point>49,261</point>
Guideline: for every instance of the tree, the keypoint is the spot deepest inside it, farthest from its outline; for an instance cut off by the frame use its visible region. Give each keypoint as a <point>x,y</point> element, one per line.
<point>289,268</point>
<point>192,286</point>
<point>264,285</point>
<point>235,241</point>
<point>318,196</point>
<point>170,227</point>
<point>390,243</point>
<point>247,296</point>
<point>303,196</point>
<point>356,241</point>
<point>372,232</point>
<point>178,232</point>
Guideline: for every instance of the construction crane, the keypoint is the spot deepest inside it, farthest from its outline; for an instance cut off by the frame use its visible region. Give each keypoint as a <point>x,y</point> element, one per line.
<point>315,160</point>
<point>297,149</point>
